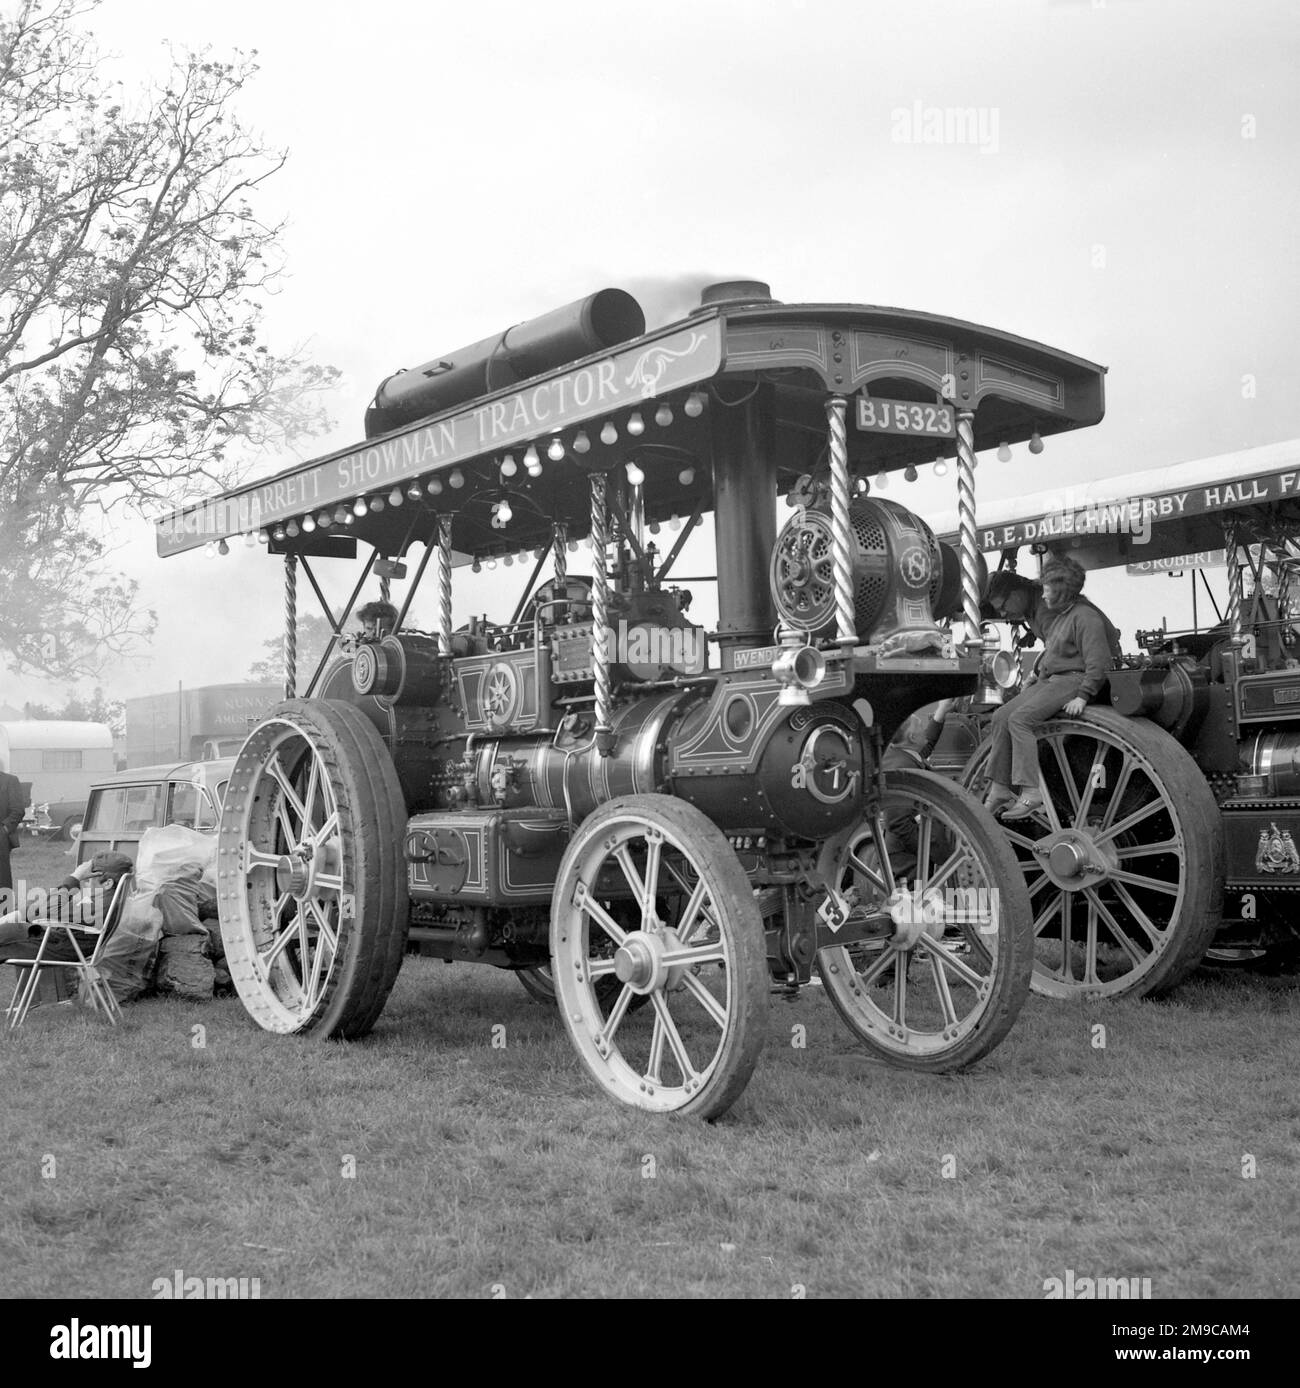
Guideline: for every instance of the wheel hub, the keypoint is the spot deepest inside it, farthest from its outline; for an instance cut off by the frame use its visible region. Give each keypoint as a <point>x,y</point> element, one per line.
<point>639,961</point>
<point>293,875</point>
<point>915,913</point>
<point>1073,859</point>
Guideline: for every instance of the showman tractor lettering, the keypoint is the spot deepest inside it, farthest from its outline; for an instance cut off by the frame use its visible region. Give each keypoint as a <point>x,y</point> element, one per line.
<point>653,825</point>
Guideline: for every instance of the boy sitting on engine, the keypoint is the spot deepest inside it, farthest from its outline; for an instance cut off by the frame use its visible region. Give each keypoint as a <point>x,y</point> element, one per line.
<point>1080,646</point>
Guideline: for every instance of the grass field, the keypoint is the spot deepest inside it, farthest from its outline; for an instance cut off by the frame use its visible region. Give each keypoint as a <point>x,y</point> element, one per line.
<point>426,1160</point>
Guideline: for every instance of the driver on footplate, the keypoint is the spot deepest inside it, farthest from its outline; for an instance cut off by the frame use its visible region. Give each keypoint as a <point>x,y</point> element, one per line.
<point>1080,645</point>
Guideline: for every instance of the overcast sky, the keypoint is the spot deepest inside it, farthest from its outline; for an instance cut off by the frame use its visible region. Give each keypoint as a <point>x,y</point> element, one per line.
<point>454,169</point>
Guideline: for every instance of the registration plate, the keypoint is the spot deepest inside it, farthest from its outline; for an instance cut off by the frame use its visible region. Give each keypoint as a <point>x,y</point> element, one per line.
<point>905,417</point>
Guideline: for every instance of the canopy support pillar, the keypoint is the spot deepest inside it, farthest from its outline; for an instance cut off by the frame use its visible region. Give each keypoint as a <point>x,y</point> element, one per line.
<point>968,544</point>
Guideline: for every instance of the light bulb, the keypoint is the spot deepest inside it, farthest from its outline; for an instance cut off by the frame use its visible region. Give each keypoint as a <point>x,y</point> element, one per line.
<point>940,467</point>
<point>664,415</point>
<point>434,486</point>
<point>581,443</point>
<point>694,404</point>
<point>308,524</point>
<point>223,547</point>
<point>609,434</point>
<point>341,514</point>
<point>395,497</point>
<point>1035,442</point>
<point>250,539</point>
<point>262,537</point>
<point>686,476</point>
<point>376,503</point>
<point>210,550</point>
<point>882,480</point>
<point>675,522</point>
<point>324,520</point>
<point>654,527</point>
<point>532,461</point>
<point>635,424</point>
<point>573,546</point>
<point>292,530</point>
<point>348,517</point>
<point>504,511</point>
<point>457,478</point>
<point>359,506</point>
<point>476,567</point>
<point>555,449</point>
<point>909,473</point>
<point>508,465</point>
<point>278,533</point>
<point>509,561</point>
<point>1004,453</point>
<point>491,565</point>
<point>414,492</point>
<point>634,475</point>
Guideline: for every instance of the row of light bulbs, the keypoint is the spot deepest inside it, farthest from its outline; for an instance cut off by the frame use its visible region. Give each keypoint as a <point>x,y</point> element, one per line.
<point>881,480</point>
<point>502,513</point>
<point>522,556</point>
<point>634,426</point>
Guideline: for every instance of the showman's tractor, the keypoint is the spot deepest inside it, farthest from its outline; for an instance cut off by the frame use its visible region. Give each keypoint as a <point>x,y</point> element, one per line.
<point>1171,820</point>
<point>656,824</point>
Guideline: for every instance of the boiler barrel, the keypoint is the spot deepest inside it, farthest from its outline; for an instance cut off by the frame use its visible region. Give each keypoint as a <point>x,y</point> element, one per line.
<point>564,335</point>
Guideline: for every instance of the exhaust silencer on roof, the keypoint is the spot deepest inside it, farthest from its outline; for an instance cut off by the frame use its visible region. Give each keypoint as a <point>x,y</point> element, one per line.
<point>601,320</point>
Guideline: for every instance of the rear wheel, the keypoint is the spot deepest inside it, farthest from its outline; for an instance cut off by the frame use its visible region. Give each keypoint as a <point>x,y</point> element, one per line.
<point>651,900</point>
<point>1124,865</point>
<point>311,881</point>
<point>946,973</point>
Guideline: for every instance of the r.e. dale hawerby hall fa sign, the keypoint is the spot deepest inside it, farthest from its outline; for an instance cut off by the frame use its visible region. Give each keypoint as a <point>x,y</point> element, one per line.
<point>563,398</point>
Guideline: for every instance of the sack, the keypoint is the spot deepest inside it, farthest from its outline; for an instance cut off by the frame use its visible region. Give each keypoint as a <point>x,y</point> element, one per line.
<point>184,968</point>
<point>128,958</point>
<point>171,852</point>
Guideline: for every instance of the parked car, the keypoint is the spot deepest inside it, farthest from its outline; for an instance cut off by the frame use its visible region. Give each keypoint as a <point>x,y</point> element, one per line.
<point>122,806</point>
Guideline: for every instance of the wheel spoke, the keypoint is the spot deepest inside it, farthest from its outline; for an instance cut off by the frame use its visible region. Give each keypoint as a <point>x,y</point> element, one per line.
<point>277,773</point>
<point>959,855</point>
<point>1121,785</point>
<point>588,903</point>
<point>901,962</point>
<point>1145,923</point>
<point>941,987</point>
<point>328,881</point>
<point>1067,775</point>
<point>674,957</point>
<point>655,1063</point>
<point>1138,815</point>
<point>1090,944</point>
<point>326,929</point>
<point>923,832</point>
<point>1040,921</point>
<point>623,856</point>
<point>876,879</point>
<point>940,956</point>
<point>1151,884</point>
<point>617,1012</point>
<point>693,912</point>
<point>1121,936</point>
<point>707,1001</point>
<point>255,858</point>
<point>309,799</point>
<point>1148,850</point>
<point>1090,785</point>
<point>675,1043</point>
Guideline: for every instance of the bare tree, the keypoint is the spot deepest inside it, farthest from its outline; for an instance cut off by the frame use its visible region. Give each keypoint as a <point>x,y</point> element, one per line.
<point>133,373</point>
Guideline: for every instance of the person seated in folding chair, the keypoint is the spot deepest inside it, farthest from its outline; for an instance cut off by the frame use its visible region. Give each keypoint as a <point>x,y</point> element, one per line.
<point>79,899</point>
<point>1080,647</point>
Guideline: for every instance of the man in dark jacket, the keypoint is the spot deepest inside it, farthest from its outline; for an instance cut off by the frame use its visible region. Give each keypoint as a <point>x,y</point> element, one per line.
<point>1080,647</point>
<point>13,805</point>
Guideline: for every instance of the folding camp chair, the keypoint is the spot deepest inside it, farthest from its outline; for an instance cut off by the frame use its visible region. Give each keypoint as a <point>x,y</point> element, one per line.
<point>94,984</point>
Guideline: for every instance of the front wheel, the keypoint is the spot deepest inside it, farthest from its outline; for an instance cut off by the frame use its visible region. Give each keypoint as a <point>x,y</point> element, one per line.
<point>651,900</point>
<point>943,953</point>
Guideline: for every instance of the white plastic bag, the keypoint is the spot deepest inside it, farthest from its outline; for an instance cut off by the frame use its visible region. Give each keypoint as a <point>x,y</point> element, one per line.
<point>171,852</point>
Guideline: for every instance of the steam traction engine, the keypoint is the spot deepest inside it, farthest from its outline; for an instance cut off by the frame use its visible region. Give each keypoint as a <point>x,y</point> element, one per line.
<point>655,823</point>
